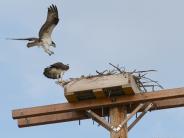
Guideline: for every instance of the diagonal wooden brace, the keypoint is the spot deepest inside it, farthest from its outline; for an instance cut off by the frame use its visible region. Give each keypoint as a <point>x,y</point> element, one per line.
<point>107,125</point>
<point>140,116</point>
<point>99,120</point>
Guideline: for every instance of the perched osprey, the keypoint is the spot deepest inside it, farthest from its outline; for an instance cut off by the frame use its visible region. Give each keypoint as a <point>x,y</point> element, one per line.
<point>45,40</point>
<point>56,71</point>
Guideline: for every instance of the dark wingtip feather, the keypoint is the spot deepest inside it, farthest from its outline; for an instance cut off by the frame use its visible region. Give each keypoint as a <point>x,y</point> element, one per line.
<point>50,8</point>
<point>53,8</point>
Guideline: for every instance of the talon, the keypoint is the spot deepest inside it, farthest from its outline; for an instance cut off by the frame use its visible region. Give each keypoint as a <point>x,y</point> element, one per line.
<point>50,53</point>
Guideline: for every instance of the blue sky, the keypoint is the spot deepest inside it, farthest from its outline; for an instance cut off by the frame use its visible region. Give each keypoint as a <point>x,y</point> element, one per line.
<point>137,34</point>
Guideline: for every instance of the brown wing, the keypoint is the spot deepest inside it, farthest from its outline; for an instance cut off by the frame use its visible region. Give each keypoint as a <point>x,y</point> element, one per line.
<point>60,65</point>
<point>50,73</point>
<point>51,22</point>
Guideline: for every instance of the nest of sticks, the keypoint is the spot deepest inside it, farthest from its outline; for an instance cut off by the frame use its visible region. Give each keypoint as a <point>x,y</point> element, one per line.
<point>143,82</point>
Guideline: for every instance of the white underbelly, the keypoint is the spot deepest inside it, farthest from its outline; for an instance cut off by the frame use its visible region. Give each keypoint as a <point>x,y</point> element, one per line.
<point>47,41</point>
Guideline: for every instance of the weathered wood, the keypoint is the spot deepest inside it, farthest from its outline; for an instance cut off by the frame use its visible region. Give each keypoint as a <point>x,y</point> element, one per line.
<point>134,87</point>
<point>99,93</point>
<point>110,127</point>
<point>86,84</point>
<point>140,116</point>
<point>97,87</point>
<point>98,103</point>
<point>73,116</point>
<point>71,97</point>
<point>123,122</point>
<point>50,119</point>
<point>117,114</point>
<point>101,121</point>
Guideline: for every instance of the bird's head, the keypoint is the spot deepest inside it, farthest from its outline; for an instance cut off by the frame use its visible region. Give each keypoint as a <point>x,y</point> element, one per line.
<point>53,44</point>
<point>67,66</point>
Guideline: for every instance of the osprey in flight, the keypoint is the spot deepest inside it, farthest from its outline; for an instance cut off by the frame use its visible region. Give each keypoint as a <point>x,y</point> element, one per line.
<point>56,71</point>
<point>45,40</point>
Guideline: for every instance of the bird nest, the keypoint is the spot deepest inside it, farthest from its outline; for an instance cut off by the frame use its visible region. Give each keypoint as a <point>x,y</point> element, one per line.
<point>143,82</point>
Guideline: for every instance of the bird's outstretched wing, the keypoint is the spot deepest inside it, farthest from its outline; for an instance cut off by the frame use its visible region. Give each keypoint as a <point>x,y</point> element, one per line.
<point>26,39</point>
<point>51,21</point>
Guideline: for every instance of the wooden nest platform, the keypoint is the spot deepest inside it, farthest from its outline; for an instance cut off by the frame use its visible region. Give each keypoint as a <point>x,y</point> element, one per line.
<point>100,86</point>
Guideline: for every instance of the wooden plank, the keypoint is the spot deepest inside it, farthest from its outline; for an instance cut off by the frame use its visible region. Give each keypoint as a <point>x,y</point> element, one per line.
<point>56,118</point>
<point>117,114</point>
<point>127,89</point>
<point>50,119</point>
<point>71,97</point>
<point>97,103</point>
<point>130,88</point>
<point>86,84</point>
<point>99,93</point>
<point>134,85</point>
<point>73,116</point>
<point>99,86</point>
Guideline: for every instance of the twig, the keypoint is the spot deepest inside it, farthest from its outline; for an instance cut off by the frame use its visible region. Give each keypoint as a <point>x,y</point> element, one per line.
<point>101,73</point>
<point>154,82</point>
<point>116,68</point>
<point>143,71</point>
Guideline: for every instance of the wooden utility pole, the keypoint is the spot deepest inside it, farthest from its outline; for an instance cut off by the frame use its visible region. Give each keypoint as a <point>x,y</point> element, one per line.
<point>117,114</point>
<point>116,96</point>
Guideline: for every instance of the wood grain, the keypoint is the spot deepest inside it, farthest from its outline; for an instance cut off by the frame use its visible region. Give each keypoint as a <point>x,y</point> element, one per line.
<point>98,103</point>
